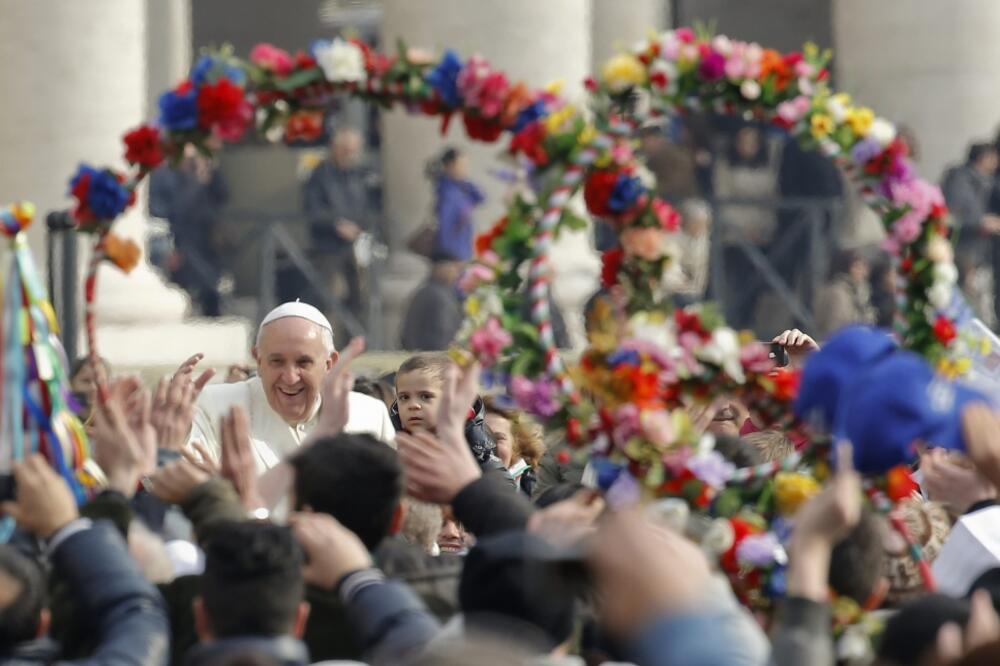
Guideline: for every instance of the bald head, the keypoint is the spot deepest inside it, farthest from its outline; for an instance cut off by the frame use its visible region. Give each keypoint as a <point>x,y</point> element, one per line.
<point>346,147</point>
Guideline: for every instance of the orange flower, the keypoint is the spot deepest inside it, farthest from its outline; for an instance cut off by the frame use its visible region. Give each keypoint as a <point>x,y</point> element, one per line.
<point>772,62</point>
<point>484,241</point>
<point>122,252</point>
<point>518,97</point>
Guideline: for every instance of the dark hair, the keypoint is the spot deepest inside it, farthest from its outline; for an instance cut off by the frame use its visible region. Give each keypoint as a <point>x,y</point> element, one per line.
<point>252,583</point>
<point>82,362</point>
<point>857,562</point>
<point>757,160</point>
<point>843,260</point>
<point>435,166</point>
<point>978,150</point>
<point>435,365</point>
<point>19,619</point>
<point>377,388</point>
<point>912,633</point>
<point>356,479</point>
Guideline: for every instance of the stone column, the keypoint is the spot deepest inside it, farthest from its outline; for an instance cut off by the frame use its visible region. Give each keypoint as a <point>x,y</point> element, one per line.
<point>615,26</point>
<point>931,65</point>
<point>538,42</point>
<point>74,81</point>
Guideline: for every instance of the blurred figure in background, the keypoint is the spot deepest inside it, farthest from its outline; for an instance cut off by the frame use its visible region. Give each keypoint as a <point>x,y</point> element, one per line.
<point>340,202</point>
<point>846,297</point>
<point>434,314</point>
<point>190,197</point>
<point>694,241</point>
<point>748,170</point>
<point>455,199</point>
<point>83,384</point>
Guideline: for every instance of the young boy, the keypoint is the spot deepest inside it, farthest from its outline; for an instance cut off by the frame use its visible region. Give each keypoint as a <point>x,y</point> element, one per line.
<point>419,382</point>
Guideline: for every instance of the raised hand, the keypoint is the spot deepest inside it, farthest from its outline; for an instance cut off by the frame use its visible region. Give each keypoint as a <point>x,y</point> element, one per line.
<point>797,344</point>
<point>335,411</point>
<point>955,485</point>
<point>44,502</point>
<point>981,430</point>
<point>567,523</point>
<point>332,551</point>
<point>116,447</point>
<point>435,469</point>
<point>174,403</point>
<point>176,481</point>
<point>237,460</point>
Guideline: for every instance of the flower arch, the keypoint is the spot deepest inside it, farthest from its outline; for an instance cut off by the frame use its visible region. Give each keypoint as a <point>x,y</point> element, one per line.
<point>645,359</point>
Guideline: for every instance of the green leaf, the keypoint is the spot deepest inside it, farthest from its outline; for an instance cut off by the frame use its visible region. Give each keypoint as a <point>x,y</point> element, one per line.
<point>298,79</point>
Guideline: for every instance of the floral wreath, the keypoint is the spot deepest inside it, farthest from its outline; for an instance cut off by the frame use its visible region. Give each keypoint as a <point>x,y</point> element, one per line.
<point>645,360</point>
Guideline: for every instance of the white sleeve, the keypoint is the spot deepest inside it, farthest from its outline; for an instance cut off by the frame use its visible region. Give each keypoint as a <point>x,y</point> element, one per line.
<point>203,430</point>
<point>971,549</point>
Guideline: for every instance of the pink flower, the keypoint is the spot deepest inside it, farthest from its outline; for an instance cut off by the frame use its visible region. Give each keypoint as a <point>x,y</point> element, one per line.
<point>669,219</point>
<point>712,66</point>
<point>539,397</point>
<point>489,341</point>
<point>658,427</point>
<point>804,69</point>
<point>621,153</point>
<point>483,88</point>
<point>643,242</point>
<point>270,57</point>
<point>626,424</point>
<point>919,198</point>
<point>473,276</point>
<point>489,258</point>
<point>792,110</point>
<point>686,35</point>
<point>755,357</point>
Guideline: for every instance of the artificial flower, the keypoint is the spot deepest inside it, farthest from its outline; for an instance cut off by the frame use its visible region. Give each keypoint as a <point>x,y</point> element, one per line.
<point>100,194</point>
<point>540,397</point>
<point>179,108</point>
<point>474,276</point>
<point>723,350</point>
<point>304,125</point>
<point>271,58</point>
<point>761,550</point>
<point>625,193</point>
<point>597,191</point>
<point>900,484</point>
<point>750,89</point>
<point>530,142</point>
<point>860,120</point>
<point>122,252</point>
<point>666,215</point>
<point>489,341</point>
<point>773,64</point>
<point>519,98</point>
<point>741,529</point>
<point>837,107</point>
<point>939,250</point>
<point>626,424</point>
<point>719,537</point>
<point>623,71</point>
<point>674,513</point>
<point>647,243</point>
<point>223,109</point>
<point>663,76</point>
<point>210,68</point>
<point>712,66</point>
<point>792,490</point>
<point>792,111</point>
<point>658,427</point>
<point>481,129</point>
<point>143,147</point>
<point>944,329</point>
<point>865,150</point>
<point>882,131</point>
<point>712,469</point>
<point>611,264</point>
<point>558,120</point>
<point>482,87</point>
<point>820,125</point>
<point>341,61</point>
<point>444,79</point>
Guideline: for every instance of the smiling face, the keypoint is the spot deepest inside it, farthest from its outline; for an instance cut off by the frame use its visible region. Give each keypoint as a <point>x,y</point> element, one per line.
<point>503,433</point>
<point>292,360</point>
<point>417,396</point>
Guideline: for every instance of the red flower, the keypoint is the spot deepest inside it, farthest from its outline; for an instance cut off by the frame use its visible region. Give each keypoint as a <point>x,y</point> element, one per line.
<point>143,147</point>
<point>562,457</point>
<point>485,241</point>
<point>304,126</point>
<point>741,530</point>
<point>611,263</point>
<point>529,141</point>
<point>944,329</point>
<point>899,483</point>
<point>304,61</point>
<point>573,433</point>
<point>481,129</point>
<point>659,79</point>
<point>590,83</point>
<point>597,192</point>
<point>786,383</point>
<point>690,322</point>
<point>668,218</point>
<point>223,109</point>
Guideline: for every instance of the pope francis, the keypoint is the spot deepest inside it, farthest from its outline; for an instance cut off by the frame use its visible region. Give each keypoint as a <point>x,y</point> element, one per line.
<point>294,352</point>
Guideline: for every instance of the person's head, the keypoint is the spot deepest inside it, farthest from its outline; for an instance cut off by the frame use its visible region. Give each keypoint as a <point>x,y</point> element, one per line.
<point>376,387</point>
<point>252,584</point>
<point>652,139</point>
<point>726,421</point>
<point>345,147</point>
<point>851,264</point>
<point>856,563</point>
<point>83,381</point>
<point>910,636</point>
<point>445,268</point>
<point>419,382</point>
<point>771,444</point>
<point>983,158</point>
<point>748,145</point>
<point>294,352</point>
<point>696,217</point>
<point>356,479</point>
<point>422,525</point>
<point>24,615</point>
<point>454,164</point>
<point>452,538</point>
<point>517,436</point>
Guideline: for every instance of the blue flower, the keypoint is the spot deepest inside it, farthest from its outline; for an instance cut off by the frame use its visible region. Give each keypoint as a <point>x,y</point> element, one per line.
<point>607,472</point>
<point>210,69</point>
<point>444,79</point>
<point>623,357</point>
<point>776,584</point>
<point>106,198</point>
<point>179,111</point>
<point>529,114</point>
<point>626,191</point>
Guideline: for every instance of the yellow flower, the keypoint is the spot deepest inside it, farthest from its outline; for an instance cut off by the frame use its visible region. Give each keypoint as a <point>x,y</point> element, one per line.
<point>822,125</point>
<point>843,99</point>
<point>472,306</point>
<point>587,135</point>
<point>954,368</point>
<point>860,119</point>
<point>791,490</point>
<point>555,87</point>
<point>623,71</point>
<point>557,119</point>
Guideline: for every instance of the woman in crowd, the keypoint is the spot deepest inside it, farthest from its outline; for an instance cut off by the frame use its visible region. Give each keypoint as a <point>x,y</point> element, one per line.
<point>455,199</point>
<point>520,445</point>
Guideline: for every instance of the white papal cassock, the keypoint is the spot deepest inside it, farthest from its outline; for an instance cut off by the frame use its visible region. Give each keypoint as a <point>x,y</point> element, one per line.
<point>273,439</point>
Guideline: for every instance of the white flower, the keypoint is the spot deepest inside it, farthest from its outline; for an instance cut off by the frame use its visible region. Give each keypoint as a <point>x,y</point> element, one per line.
<point>722,44</point>
<point>882,131</point>
<point>945,272</point>
<point>939,295</point>
<point>341,61</point>
<point>723,350</point>
<point>654,330</point>
<point>750,89</point>
<point>719,537</point>
<point>837,108</point>
<point>672,511</point>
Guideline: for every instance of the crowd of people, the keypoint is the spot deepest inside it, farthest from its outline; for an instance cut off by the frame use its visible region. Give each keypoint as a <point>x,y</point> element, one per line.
<point>305,515</point>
